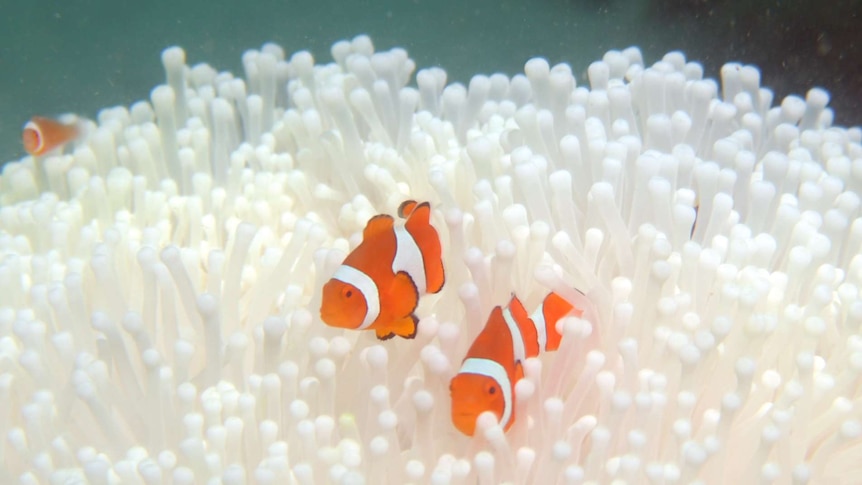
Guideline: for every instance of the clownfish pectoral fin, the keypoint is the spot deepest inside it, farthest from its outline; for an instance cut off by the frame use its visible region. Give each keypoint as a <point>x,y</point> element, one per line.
<point>377,225</point>
<point>406,327</point>
<point>403,295</point>
<point>519,372</point>
<point>406,208</point>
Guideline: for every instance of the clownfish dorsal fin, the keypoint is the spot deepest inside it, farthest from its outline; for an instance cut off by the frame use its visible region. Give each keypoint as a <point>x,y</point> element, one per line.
<point>557,307</point>
<point>379,224</point>
<point>419,215</point>
<point>406,208</point>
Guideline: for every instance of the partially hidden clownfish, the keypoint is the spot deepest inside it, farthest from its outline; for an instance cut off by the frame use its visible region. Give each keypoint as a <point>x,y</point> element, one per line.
<point>379,284</point>
<point>41,135</point>
<point>493,364</point>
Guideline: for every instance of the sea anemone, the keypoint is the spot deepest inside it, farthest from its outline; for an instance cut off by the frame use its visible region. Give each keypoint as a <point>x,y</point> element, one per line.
<point>160,281</point>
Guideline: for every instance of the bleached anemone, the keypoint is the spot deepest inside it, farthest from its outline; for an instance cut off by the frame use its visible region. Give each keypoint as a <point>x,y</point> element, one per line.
<point>160,282</point>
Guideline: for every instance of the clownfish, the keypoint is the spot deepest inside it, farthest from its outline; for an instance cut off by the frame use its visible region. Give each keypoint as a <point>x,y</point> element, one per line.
<point>380,282</point>
<point>493,364</point>
<point>42,135</point>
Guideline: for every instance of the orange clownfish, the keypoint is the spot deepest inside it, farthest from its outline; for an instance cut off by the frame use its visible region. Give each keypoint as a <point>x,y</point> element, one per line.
<point>379,283</point>
<point>42,135</point>
<point>492,367</point>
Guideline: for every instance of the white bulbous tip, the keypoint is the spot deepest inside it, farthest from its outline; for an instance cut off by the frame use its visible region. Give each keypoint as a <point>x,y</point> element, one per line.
<point>377,356</point>
<point>173,56</point>
<point>817,97</point>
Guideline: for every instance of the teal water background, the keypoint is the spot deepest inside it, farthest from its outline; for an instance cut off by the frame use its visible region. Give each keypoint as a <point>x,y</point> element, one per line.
<point>85,55</point>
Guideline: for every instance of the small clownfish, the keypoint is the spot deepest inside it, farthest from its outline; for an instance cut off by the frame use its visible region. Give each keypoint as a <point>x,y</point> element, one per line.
<point>380,282</point>
<point>41,135</point>
<point>493,364</point>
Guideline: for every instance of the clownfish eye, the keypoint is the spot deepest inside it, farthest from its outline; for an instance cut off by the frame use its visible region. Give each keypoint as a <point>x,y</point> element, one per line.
<point>492,390</point>
<point>346,292</point>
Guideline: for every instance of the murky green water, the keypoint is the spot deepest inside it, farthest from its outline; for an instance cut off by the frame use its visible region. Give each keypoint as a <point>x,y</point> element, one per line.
<point>85,55</point>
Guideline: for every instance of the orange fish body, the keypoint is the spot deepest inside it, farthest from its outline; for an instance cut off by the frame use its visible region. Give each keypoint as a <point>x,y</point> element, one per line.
<point>379,284</point>
<point>41,135</point>
<point>493,364</point>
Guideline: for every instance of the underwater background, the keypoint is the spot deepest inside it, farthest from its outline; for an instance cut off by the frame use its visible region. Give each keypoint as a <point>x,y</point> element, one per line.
<point>82,56</point>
